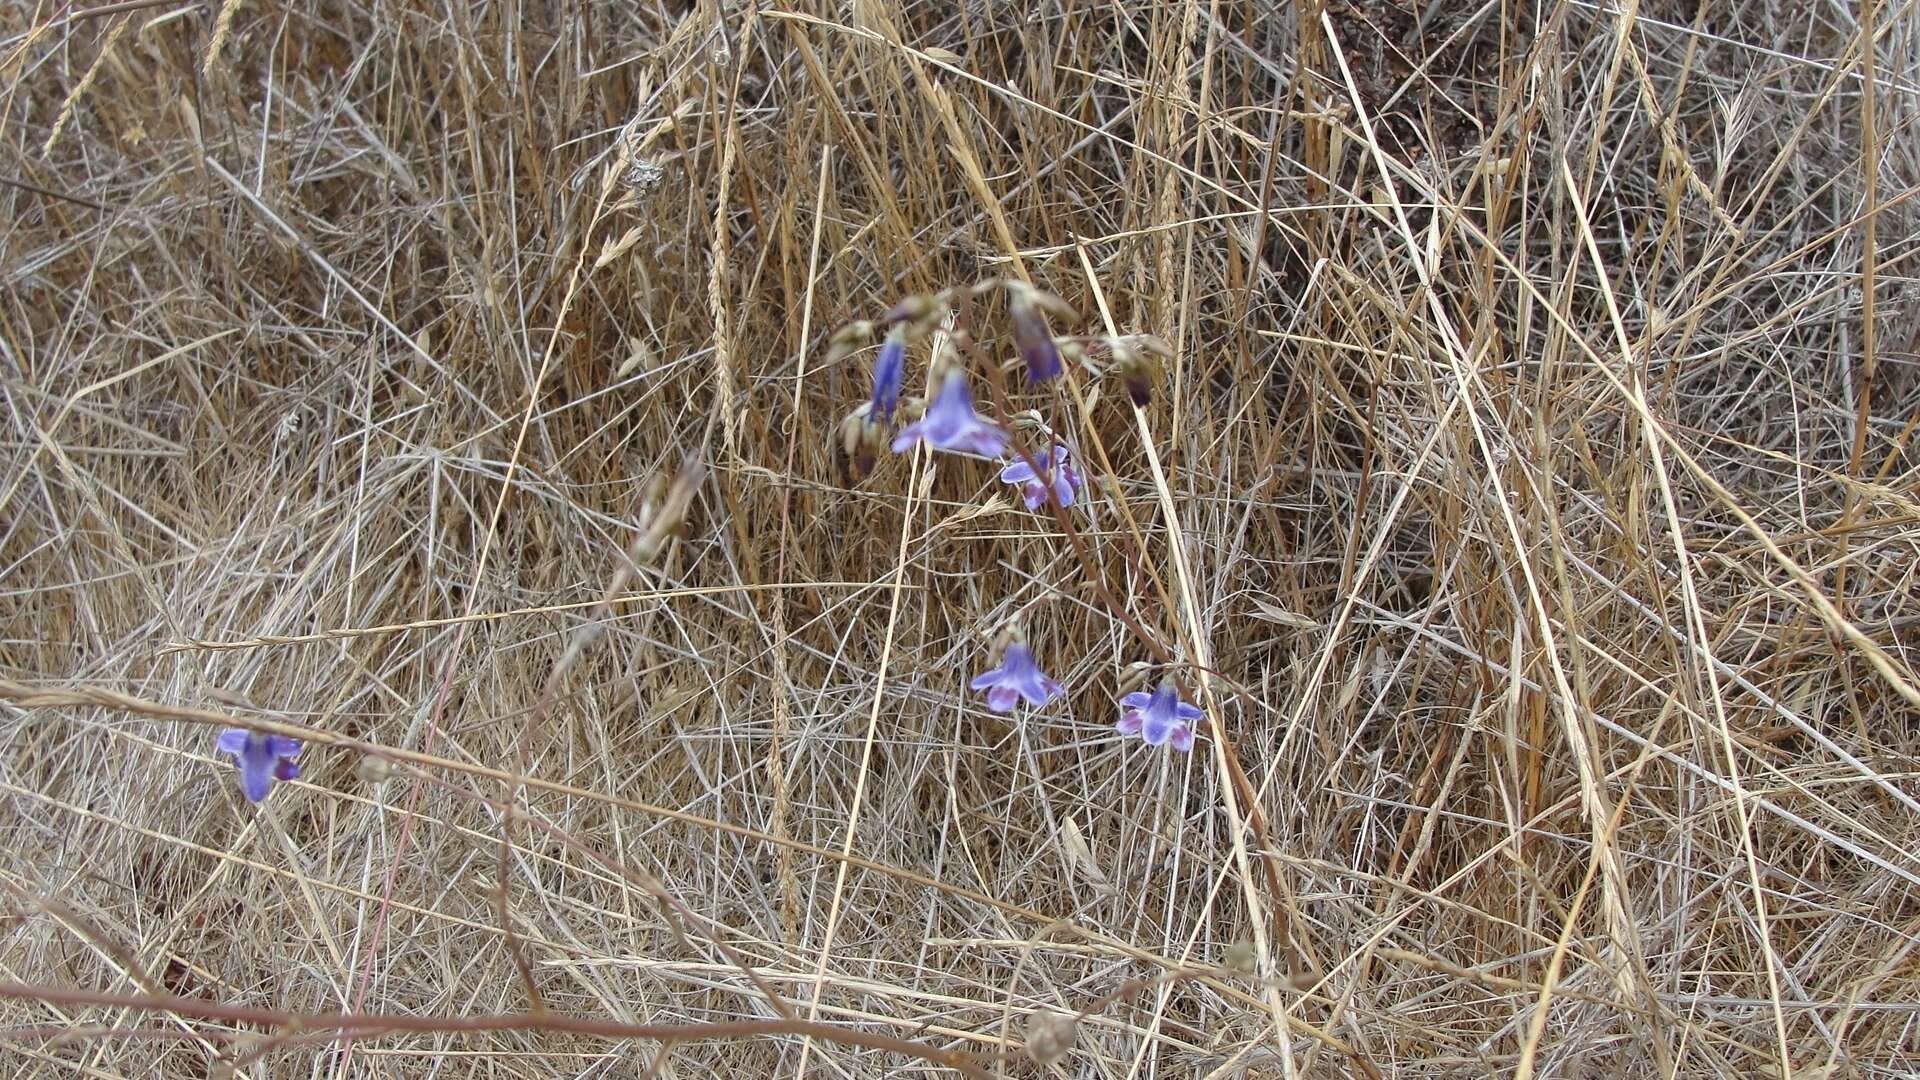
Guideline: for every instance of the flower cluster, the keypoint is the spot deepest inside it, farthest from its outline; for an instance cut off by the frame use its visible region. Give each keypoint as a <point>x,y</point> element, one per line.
<point>949,422</point>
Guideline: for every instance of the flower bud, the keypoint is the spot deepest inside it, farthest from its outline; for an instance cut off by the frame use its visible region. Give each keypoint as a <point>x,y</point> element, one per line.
<point>918,312</point>
<point>861,440</point>
<point>846,339</point>
<point>1028,308</point>
<point>1029,420</point>
<point>1136,362</point>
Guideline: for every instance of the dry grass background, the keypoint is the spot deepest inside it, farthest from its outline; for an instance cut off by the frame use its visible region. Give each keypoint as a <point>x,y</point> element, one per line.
<point>1537,456</point>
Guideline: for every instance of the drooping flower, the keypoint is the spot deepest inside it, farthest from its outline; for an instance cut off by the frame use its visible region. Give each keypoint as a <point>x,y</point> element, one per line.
<point>888,368</point>
<point>1159,718</point>
<point>1031,335</point>
<point>1065,480</point>
<point>1018,676</point>
<point>262,759</point>
<point>1136,360</point>
<point>951,424</point>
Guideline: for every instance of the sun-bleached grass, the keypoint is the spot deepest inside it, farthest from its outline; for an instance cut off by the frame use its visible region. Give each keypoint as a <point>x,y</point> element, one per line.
<point>1528,497</point>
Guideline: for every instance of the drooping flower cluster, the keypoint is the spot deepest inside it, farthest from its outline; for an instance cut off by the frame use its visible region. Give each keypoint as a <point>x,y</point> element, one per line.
<point>949,422</point>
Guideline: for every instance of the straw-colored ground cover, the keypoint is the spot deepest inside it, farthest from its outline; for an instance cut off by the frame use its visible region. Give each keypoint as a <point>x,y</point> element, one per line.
<point>1528,498</point>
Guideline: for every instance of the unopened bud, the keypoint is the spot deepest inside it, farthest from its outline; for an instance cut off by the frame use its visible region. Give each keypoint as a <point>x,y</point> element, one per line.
<point>1029,307</point>
<point>861,440</point>
<point>1028,420</point>
<point>1137,364</point>
<point>1072,353</point>
<point>1134,676</point>
<point>847,339</point>
<point>916,311</point>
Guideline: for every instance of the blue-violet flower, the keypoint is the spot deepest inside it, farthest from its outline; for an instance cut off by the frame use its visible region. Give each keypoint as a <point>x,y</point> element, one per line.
<point>1064,482</point>
<point>888,368</point>
<point>951,424</point>
<point>262,759</point>
<point>1018,676</point>
<point>1160,718</point>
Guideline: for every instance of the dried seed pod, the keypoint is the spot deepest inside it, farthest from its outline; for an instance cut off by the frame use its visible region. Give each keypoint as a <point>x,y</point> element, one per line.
<point>1050,1036</point>
<point>665,511</point>
<point>1241,957</point>
<point>373,770</point>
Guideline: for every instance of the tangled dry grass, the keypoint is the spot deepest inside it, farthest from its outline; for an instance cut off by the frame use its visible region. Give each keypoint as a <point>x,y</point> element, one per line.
<point>1531,500</point>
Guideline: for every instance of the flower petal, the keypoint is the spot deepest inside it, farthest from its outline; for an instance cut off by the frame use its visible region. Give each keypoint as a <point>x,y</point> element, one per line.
<point>256,776</point>
<point>1018,472</point>
<point>1182,739</point>
<point>987,678</point>
<point>908,436</point>
<point>1139,699</point>
<point>1002,698</point>
<point>232,740</point>
<point>887,369</point>
<point>282,747</point>
<point>1189,712</point>
<point>1042,357</point>
<point>1129,723</point>
<point>980,438</point>
<point>1155,729</point>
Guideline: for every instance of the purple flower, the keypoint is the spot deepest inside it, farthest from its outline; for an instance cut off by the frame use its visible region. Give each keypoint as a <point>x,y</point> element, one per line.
<point>1018,676</point>
<point>262,759</point>
<point>888,367</point>
<point>951,424</point>
<point>1160,718</point>
<point>1030,333</point>
<point>1065,480</point>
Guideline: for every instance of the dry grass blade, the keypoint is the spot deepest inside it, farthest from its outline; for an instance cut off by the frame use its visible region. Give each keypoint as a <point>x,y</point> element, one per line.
<point>1500,419</point>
